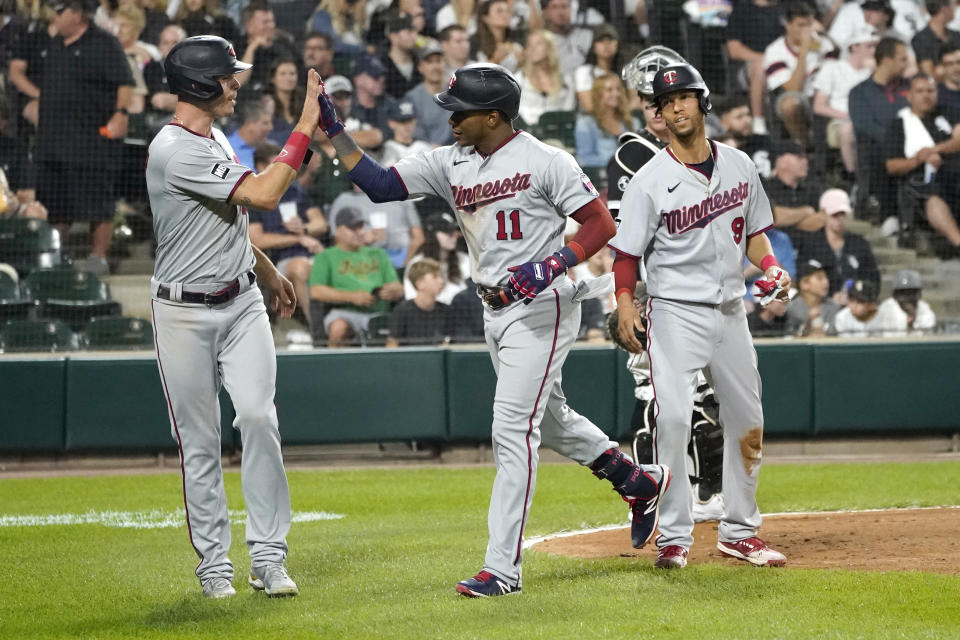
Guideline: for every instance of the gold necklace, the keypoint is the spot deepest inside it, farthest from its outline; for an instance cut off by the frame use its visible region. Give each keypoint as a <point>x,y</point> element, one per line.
<point>177,119</point>
<point>705,183</point>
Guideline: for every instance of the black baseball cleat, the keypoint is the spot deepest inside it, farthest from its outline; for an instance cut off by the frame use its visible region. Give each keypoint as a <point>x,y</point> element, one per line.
<point>485,585</point>
<point>645,512</point>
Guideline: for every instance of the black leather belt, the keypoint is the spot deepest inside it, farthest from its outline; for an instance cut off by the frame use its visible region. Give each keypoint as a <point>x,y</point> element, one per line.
<point>226,294</point>
<point>495,297</point>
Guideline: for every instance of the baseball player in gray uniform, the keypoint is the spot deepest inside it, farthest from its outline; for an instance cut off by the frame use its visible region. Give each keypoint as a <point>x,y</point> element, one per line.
<point>512,194</point>
<point>210,320</point>
<point>691,213</point>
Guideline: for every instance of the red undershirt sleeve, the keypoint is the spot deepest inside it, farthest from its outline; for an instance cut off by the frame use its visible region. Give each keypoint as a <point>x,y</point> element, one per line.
<point>596,229</point>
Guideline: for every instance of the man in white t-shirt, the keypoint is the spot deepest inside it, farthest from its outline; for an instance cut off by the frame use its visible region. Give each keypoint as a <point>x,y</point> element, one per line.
<point>832,89</point>
<point>792,63</point>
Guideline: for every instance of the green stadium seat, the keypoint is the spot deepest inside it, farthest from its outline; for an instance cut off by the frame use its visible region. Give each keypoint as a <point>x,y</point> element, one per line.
<point>37,335</point>
<point>378,330</point>
<point>118,332</point>
<point>13,304</point>
<point>557,127</point>
<point>71,296</point>
<point>28,244</point>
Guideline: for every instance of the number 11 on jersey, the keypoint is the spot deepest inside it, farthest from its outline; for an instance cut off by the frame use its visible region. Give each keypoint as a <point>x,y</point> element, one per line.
<point>515,233</point>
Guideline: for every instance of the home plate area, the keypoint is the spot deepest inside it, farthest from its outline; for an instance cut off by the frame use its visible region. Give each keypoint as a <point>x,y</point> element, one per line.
<point>921,539</point>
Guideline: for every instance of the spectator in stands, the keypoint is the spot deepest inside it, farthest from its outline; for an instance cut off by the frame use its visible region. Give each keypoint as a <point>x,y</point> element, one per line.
<point>853,17</point>
<point>155,19</point>
<point>287,94</point>
<point>544,86</point>
<point>813,310</point>
<point>602,59</point>
<point>793,192</point>
<point>737,121</point>
<point>402,120</point>
<point>422,319</point>
<point>769,321</point>
<point>317,54</point>
<point>927,43</point>
<point>598,131</point>
<point>924,152</point>
<point>162,102</point>
<point>364,134</point>
<point>388,10</point>
<point>494,41</point>
<point>461,13</point>
<point>904,312</point>
<point>753,25</point>
<point>859,318</point>
<point>400,61</point>
<point>288,234</point>
<point>394,226</point>
<point>345,22</point>
<point>356,280</point>
<point>130,21</point>
<point>792,63</point>
<point>456,49</point>
<point>11,205</point>
<point>262,45</point>
<point>832,91</point>
<point>369,104</point>
<point>431,118</point>
<point>948,90</point>
<point>256,121</point>
<point>572,41</point>
<point>27,58</point>
<point>873,106</point>
<point>205,17</point>
<point>467,311</point>
<point>846,255</point>
<point>441,236</point>
<point>75,147</point>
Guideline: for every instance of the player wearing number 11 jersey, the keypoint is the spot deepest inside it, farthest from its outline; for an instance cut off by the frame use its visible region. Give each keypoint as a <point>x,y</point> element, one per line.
<point>512,194</point>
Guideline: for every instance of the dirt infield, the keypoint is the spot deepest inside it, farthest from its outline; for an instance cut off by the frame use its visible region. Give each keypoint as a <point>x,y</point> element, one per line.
<point>895,540</point>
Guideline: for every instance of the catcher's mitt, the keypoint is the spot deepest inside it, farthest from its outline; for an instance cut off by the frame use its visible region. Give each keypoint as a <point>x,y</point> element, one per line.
<point>613,331</point>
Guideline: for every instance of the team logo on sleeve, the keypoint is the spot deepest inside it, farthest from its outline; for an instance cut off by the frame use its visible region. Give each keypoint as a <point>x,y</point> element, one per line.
<point>623,182</point>
<point>220,171</point>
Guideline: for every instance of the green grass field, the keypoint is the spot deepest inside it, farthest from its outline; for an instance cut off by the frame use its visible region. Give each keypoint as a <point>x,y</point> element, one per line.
<point>387,568</point>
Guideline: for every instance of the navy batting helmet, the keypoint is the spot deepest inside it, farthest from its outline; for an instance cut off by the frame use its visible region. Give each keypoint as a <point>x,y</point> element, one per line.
<point>479,87</point>
<point>194,66</point>
<point>677,78</point>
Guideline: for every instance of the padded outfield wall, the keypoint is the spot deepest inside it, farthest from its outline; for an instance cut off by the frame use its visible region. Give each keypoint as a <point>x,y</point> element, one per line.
<point>114,402</point>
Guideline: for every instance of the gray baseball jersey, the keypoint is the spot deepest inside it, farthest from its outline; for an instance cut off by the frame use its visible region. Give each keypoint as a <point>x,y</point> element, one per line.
<point>202,246</point>
<point>693,237</point>
<point>511,205</point>
<point>201,238</point>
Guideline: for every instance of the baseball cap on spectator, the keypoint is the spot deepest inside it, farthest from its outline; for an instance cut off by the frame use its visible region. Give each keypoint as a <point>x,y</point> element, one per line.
<point>907,279</point>
<point>397,23</point>
<point>810,267</point>
<point>431,49</point>
<point>605,30</point>
<point>337,84</point>
<point>370,65</point>
<point>351,218</point>
<point>863,291</point>
<point>865,33</point>
<point>879,5</point>
<point>440,222</point>
<point>784,147</point>
<point>835,201</point>
<point>402,110</point>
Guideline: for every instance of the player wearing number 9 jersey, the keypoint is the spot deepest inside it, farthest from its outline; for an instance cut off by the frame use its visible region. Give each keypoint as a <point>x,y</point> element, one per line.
<point>692,213</point>
<point>512,194</point>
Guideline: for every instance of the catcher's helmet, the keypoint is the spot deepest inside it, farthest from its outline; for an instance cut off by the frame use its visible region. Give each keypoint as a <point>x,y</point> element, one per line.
<point>481,86</point>
<point>194,66</point>
<point>678,77</point>
<point>638,73</point>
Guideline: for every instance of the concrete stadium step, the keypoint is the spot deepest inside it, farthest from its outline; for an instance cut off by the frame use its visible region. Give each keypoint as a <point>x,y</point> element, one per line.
<point>890,258</point>
<point>862,227</point>
<point>132,292</point>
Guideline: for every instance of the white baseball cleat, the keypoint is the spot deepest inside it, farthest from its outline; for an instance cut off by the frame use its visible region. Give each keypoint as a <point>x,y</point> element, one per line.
<point>273,580</point>
<point>218,588</point>
<point>753,550</point>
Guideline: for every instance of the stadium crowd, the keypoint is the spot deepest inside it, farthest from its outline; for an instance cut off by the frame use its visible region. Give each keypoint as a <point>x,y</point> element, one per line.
<point>849,109</point>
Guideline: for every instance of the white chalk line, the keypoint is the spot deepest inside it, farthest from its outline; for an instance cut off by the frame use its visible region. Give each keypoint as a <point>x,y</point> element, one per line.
<point>152,519</point>
<point>531,542</point>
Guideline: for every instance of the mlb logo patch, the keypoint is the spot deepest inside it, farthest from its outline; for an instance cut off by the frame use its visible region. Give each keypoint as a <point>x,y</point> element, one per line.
<point>587,185</point>
<point>220,171</point>
<point>670,76</point>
